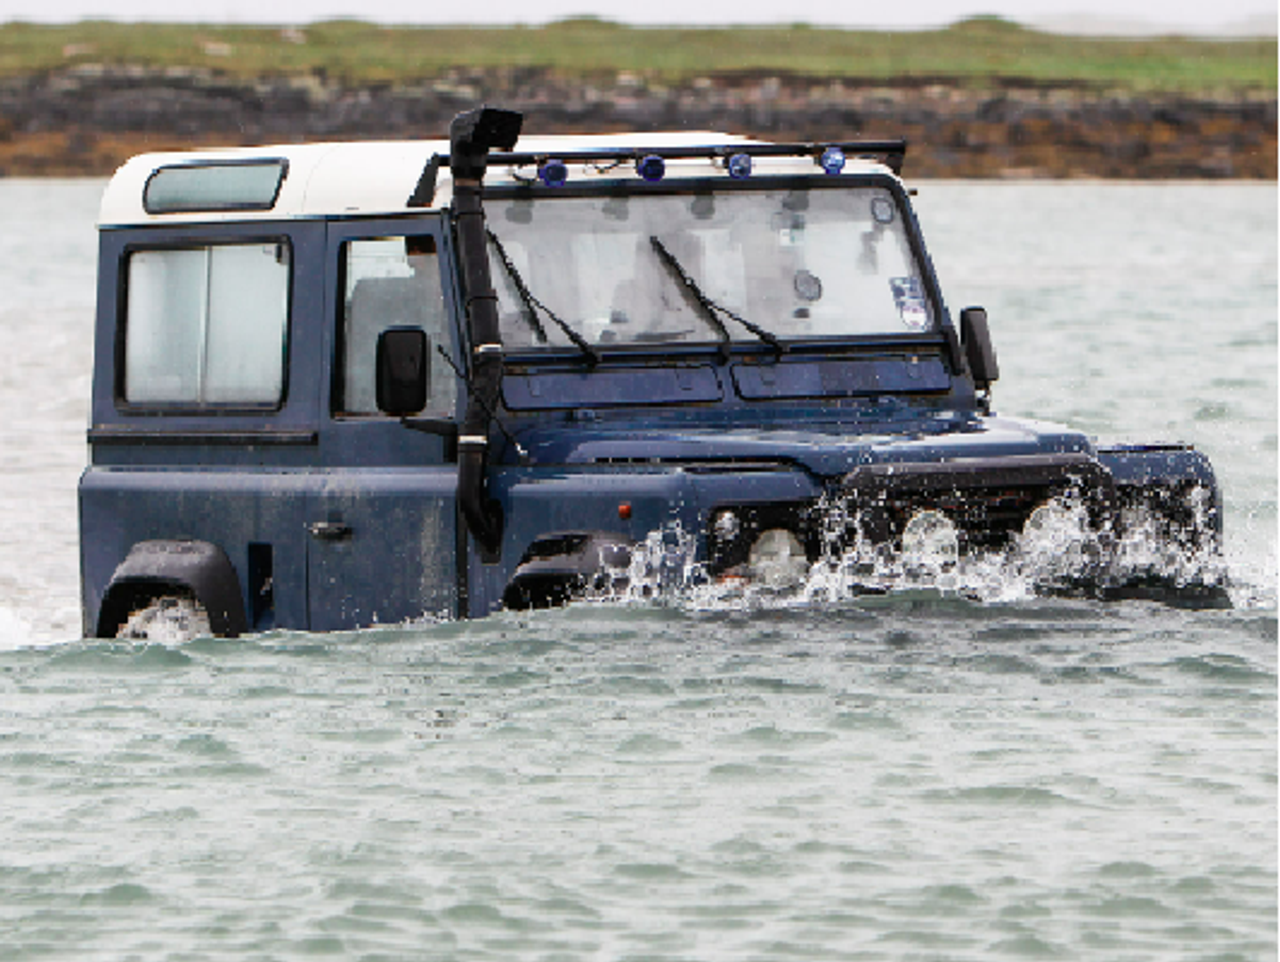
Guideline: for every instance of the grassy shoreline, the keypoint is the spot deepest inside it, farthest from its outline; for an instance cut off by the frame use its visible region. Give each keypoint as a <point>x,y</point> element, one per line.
<point>979,53</point>
<point>983,98</point>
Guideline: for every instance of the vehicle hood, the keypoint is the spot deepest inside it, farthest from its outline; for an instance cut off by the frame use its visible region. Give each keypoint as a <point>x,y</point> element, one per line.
<point>826,451</point>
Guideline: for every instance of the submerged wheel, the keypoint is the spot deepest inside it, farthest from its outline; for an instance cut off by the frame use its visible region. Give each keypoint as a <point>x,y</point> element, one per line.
<point>168,619</point>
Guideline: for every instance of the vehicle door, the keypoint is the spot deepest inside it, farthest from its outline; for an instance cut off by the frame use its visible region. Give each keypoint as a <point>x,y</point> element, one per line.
<point>384,538</point>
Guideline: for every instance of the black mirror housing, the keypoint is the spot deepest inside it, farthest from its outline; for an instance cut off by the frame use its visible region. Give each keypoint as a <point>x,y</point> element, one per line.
<point>403,371</point>
<point>978,350</point>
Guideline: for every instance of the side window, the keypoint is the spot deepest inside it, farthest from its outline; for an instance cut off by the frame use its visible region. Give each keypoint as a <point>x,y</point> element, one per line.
<point>393,282</point>
<point>206,325</point>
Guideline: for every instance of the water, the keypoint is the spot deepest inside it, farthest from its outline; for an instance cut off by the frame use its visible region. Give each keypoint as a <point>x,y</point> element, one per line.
<point>919,777</point>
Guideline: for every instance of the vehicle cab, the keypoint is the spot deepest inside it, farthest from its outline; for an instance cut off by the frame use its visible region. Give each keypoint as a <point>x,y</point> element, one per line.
<point>339,385</point>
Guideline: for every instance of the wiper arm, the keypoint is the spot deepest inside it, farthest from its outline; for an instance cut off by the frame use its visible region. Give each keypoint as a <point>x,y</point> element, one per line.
<point>705,304</point>
<point>710,309</point>
<point>532,305</point>
<point>530,314</point>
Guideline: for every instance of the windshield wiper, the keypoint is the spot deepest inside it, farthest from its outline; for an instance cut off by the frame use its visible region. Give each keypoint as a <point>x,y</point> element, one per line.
<point>710,309</point>
<point>532,305</point>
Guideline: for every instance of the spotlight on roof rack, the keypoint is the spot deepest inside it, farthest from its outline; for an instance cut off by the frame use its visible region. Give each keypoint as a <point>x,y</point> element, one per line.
<point>553,173</point>
<point>651,167</point>
<point>832,160</point>
<point>739,166</point>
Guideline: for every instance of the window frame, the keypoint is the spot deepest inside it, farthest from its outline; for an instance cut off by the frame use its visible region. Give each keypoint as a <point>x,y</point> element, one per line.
<point>741,342</point>
<point>341,233</point>
<point>188,242</point>
<point>280,163</point>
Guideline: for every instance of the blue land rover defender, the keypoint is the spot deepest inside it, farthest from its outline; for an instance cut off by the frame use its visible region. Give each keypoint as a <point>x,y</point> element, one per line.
<point>340,385</point>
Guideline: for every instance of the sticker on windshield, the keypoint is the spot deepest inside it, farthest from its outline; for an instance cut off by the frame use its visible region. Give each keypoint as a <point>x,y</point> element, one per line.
<point>882,210</point>
<point>910,301</point>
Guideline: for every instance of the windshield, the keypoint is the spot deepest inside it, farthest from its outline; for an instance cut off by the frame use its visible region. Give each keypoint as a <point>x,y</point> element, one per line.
<point>738,265</point>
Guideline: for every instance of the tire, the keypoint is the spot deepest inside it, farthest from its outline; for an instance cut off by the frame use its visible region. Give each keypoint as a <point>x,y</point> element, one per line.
<point>168,619</point>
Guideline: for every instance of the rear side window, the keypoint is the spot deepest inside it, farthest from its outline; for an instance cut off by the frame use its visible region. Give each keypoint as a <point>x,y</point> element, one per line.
<point>207,325</point>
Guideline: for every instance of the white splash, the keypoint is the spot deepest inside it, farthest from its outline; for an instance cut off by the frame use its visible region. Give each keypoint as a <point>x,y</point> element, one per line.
<point>1059,551</point>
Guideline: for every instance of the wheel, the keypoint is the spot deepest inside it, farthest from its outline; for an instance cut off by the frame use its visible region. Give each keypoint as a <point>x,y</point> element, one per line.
<point>169,619</point>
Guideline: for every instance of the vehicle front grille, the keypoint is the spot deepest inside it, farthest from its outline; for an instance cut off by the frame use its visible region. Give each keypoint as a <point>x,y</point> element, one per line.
<point>988,499</point>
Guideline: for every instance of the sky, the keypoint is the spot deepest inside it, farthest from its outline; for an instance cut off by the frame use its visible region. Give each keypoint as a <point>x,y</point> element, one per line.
<point>1091,16</point>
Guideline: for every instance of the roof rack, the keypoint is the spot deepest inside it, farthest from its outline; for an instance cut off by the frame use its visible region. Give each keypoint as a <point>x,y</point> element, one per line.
<point>891,151</point>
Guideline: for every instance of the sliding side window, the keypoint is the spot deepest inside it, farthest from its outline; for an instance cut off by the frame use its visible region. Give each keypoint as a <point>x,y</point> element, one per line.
<point>207,325</point>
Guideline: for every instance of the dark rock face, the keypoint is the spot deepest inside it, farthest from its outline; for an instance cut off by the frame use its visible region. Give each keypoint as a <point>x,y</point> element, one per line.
<point>88,120</point>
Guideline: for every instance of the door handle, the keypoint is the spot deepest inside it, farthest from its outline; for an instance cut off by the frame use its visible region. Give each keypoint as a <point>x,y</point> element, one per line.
<point>330,530</point>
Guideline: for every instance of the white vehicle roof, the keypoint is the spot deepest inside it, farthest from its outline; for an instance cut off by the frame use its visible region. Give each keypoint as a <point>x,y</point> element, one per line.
<point>379,177</point>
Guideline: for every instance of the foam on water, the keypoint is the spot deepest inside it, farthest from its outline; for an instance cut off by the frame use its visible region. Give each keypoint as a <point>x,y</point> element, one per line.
<point>14,629</point>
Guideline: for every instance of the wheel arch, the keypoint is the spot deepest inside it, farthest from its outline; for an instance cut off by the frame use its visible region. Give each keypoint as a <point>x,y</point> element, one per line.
<point>156,568</point>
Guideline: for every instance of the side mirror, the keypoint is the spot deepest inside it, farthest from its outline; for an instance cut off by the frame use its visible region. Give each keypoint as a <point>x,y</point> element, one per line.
<point>403,371</point>
<point>977,347</point>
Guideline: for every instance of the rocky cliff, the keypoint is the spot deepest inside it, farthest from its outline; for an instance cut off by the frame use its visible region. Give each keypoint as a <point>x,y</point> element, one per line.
<point>85,121</point>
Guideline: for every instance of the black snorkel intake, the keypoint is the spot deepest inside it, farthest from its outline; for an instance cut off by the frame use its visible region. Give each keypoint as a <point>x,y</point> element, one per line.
<point>471,136</point>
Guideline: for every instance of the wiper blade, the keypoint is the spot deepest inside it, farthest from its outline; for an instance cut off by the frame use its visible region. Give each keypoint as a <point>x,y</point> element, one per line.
<point>710,309</point>
<point>705,304</point>
<point>532,305</point>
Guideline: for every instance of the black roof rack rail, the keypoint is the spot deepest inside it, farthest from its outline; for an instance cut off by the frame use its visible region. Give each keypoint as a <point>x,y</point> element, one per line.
<point>892,152</point>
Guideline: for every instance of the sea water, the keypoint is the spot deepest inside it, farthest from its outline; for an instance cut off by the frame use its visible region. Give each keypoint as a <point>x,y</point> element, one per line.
<point>923,775</point>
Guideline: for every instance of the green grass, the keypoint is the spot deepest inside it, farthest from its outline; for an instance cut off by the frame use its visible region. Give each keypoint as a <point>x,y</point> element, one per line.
<point>977,52</point>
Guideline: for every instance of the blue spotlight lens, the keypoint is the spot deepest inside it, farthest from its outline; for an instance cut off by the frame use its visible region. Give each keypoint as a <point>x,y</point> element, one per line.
<point>553,173</point>
<point>740,166</point>
<point>832,160</point>
<point>651,168</point>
